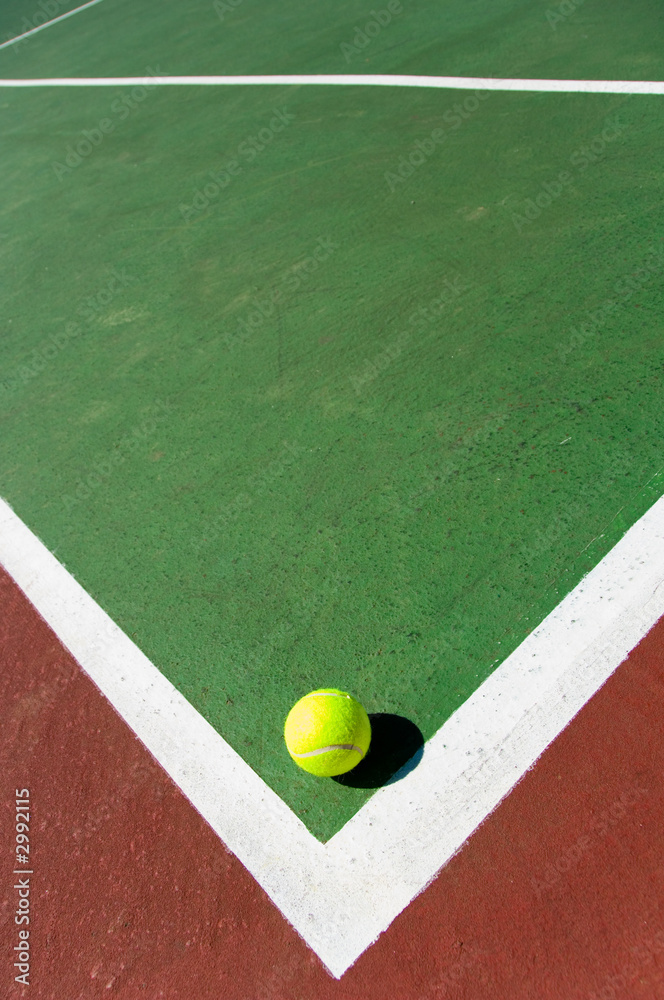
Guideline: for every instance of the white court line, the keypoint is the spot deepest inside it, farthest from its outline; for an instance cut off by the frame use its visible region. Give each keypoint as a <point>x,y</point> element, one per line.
<point>340,896</point>
<point>47,24</point>
<point>360,80</point>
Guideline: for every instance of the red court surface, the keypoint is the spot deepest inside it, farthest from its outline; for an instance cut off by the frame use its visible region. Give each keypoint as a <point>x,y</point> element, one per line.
<point>559,895</point>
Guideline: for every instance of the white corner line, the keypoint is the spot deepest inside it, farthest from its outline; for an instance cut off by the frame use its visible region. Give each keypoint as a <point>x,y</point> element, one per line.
<point>358,80</point>
<point>340,896</point>
<point>47,24</point>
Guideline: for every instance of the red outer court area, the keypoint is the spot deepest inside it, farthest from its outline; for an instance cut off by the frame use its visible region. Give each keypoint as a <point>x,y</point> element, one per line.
<point>559,895</point>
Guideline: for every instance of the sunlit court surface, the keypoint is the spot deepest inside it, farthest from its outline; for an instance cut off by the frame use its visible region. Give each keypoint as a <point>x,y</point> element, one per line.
<point>331,360</point>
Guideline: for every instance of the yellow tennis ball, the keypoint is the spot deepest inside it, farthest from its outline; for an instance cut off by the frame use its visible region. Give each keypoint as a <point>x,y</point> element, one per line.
<point>327,732</point>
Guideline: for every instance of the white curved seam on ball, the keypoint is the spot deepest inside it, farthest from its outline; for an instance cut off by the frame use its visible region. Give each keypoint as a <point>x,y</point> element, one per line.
<point>333,746</point>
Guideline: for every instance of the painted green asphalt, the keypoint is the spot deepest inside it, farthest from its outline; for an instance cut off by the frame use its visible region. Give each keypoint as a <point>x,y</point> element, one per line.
<point>580,39</point>
<point>19,16</point>
<point>319,432</point>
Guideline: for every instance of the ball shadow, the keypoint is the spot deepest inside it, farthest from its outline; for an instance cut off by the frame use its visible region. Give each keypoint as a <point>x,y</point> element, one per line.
<point>396,748</point>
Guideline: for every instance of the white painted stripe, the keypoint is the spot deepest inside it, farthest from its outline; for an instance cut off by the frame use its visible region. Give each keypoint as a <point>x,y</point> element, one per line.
<point>359,80</point>
<point>47,24</point>
<point>332,746</point>
<point>341,895</point>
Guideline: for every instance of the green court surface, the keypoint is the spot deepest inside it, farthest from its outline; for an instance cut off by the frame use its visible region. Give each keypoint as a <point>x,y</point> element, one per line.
<point>296,415</point>
<point>508,38</point>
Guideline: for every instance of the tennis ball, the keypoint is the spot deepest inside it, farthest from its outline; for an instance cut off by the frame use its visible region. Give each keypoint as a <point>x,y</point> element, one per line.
<point>327,732</point>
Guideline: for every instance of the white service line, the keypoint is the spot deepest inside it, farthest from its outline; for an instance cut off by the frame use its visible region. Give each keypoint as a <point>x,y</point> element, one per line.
<point>47,24</point>
<point>358,80</point>
<point>340,896</point>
